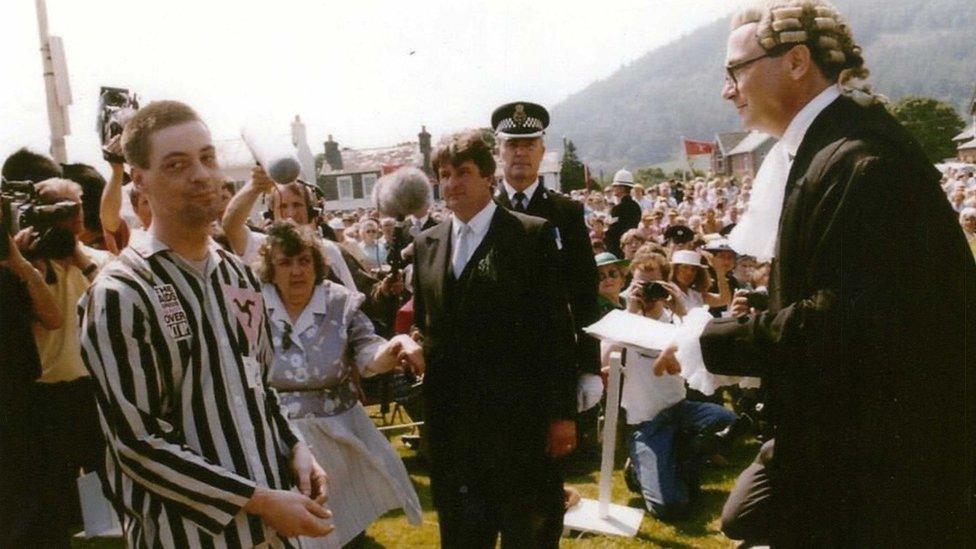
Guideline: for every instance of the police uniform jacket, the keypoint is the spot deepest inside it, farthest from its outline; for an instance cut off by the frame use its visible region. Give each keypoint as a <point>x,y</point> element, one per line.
<point>577,264</point>
<point>628,214</point>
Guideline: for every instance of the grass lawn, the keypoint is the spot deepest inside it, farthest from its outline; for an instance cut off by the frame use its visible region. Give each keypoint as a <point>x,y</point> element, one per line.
<point>701,529</point>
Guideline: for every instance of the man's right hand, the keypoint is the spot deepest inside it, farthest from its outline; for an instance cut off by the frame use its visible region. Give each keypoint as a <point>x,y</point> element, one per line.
<point>740,303</point>
<point>290,514</point>
<point>666,362</point>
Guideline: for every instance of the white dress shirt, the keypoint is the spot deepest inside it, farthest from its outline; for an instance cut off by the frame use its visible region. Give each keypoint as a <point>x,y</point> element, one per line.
<point>528,192</point>
<point>478,226</point>
<point>689,347</point>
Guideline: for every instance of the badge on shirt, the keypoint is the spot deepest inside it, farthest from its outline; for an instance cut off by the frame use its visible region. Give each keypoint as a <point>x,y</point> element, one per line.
<point>174,317</point>
<point>248,307</point>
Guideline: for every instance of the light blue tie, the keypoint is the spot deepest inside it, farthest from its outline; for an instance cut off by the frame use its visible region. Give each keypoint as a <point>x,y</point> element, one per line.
<point>461,250</point>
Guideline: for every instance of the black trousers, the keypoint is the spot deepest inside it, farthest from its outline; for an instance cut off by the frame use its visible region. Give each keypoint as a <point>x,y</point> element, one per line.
<point>474,515</point>
<point>62,437</point>
<point>478,522</point>
<point>747,513</point>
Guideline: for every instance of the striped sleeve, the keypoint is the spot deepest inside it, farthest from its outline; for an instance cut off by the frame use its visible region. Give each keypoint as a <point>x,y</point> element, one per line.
<point>117,351</point>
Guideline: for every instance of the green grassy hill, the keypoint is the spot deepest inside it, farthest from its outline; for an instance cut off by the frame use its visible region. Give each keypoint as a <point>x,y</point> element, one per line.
<point>636,116</point>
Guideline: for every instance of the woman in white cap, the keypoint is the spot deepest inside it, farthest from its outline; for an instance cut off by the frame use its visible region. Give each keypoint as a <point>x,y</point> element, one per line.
<point>690,274</point>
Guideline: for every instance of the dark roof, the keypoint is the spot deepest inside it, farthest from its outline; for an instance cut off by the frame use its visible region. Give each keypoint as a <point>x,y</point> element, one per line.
<point>728,140</point>
<point>751,142</point>
<point>966,135</point>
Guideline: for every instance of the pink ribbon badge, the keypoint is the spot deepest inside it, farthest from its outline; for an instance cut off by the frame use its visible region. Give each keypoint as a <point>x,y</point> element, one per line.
<point>248,306</point>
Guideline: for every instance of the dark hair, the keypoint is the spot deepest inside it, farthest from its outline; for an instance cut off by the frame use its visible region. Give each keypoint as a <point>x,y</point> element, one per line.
<point>148,120</point>
<point>702,282</point>
<point>25,165</point>
<point>460,147</point>
<point>228,186</point>
<point>292,240</point>
<point>92,184</point>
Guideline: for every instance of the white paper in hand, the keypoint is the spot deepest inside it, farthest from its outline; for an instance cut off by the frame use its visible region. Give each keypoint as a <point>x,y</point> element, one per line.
<point>635,331</point>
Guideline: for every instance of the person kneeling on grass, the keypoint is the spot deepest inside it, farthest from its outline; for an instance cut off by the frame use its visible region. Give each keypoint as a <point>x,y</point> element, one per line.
<point>672,437</point>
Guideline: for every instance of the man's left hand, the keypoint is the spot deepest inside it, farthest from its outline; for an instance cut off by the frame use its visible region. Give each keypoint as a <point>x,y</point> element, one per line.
<point>562,438</point>
<point>309,475</point>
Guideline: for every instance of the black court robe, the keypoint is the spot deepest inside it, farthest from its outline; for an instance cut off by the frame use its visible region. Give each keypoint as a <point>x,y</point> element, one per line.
<point>866,350</point>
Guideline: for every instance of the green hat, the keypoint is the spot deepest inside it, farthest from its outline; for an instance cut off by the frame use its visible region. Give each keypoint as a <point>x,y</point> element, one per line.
<point>607,258</point>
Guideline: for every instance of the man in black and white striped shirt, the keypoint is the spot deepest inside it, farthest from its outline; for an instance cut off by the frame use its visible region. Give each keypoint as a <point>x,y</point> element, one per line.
<point>175,334</point>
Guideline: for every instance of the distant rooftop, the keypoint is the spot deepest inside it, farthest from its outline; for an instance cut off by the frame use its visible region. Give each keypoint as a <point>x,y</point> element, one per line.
<point>376,159</point>
<point>728,140</point>
<point>750,143</point>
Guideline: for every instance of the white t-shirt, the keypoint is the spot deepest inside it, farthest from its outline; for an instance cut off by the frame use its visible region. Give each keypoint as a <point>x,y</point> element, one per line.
<point>645,395</point>
<point>333,257</point>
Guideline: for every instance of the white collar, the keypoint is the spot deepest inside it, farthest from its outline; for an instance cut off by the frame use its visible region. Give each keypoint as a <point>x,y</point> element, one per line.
<point>529,191</point>
<point>149,245</point>
<point>798,127</point>
<point>420,220</point>
<point>478,224</point>
<point>279,315</point>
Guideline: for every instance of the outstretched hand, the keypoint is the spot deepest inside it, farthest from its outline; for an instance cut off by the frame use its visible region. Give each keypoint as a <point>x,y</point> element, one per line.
<point>666,362</point>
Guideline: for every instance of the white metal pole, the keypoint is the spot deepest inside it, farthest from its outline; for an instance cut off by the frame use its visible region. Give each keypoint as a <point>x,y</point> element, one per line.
<point>55,114</point>
<point>610,433</point>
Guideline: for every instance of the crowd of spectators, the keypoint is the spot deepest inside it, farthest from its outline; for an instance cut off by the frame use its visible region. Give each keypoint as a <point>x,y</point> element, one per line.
<point>662,263</point>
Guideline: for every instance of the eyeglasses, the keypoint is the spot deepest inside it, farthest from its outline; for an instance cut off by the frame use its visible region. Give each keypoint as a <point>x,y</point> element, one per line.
<point>731,70</point>
<point>610,274</point>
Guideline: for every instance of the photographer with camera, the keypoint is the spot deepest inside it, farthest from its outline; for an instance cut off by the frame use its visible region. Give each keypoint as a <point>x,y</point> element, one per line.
<point>672,436</point>
<point>115,229</point>
<point>63,433</point>
<point>24,300</point>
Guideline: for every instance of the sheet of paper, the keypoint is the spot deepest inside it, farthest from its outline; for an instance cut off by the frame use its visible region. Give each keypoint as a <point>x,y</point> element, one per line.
<point>638,332</point>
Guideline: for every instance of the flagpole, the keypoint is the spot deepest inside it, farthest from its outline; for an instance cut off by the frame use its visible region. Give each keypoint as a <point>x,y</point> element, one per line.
<point>684,153</point>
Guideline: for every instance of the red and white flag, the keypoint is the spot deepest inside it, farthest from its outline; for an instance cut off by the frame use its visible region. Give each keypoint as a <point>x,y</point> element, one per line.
<point>694,148</point>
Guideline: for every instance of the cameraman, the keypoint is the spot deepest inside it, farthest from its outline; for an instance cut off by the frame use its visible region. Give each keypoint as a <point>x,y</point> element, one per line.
<point>63,411</point>
<point>24,300</point>
<point>672,436</point>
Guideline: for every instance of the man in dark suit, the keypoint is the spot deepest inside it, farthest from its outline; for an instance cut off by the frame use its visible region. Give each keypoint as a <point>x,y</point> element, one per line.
<point>519,128</point>
<point>626,213</point>
<point>497,337</point>
<point>865,349</point>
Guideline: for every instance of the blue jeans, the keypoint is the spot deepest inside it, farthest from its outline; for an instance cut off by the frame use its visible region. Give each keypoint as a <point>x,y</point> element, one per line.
<point>667,459</point>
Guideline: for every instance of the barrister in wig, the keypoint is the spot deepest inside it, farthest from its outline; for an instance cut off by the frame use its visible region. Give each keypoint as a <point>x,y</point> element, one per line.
<point>498,341</point>
<point>867,364</point>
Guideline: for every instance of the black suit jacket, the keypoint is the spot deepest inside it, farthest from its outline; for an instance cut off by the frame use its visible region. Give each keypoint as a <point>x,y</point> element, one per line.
<point>498,347</point>
<point>628,214</point>
<point>578,266</point>
<point>866,351</point>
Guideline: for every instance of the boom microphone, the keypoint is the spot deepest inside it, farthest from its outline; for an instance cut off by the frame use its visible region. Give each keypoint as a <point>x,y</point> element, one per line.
<point>404,192</point>
<point>279,161</point>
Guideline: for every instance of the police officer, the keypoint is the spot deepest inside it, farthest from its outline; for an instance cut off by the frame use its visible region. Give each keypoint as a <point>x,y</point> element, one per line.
<point>626,212</point>
<point>519,128</point>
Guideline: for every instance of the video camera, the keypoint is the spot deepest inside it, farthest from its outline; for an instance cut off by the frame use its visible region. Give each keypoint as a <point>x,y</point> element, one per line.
<point>116,107</point>
<point>21,207</point>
